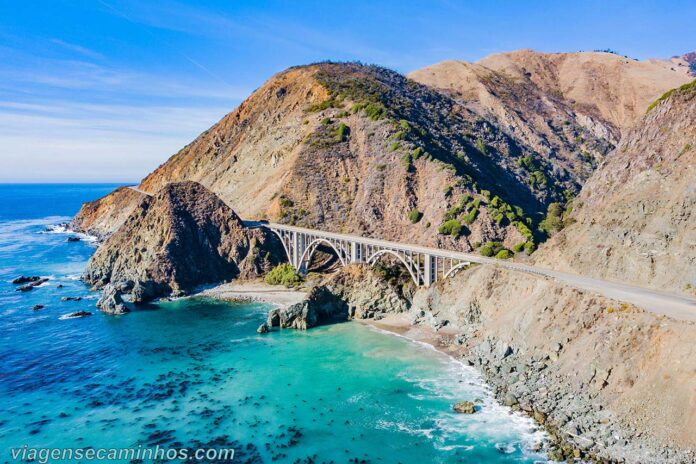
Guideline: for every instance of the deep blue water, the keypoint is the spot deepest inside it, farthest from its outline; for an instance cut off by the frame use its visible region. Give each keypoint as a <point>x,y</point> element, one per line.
<point>195,373</point>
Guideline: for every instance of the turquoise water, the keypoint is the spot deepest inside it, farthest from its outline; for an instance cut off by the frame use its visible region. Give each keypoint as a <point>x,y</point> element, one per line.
<point>194,373</point>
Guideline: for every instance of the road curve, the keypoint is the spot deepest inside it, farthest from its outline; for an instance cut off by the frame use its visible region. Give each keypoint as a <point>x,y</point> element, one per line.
<point>137,189</point>
<point>679,307</point>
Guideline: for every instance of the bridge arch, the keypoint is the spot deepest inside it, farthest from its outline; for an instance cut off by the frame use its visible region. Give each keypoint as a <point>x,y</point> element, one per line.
<point>407,263</point>
<point>312,247</point>
<point>285,246</point>
<point>454,269</point>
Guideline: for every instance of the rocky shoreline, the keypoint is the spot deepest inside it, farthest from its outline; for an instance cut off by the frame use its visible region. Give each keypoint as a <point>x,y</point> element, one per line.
<point>582,424</point>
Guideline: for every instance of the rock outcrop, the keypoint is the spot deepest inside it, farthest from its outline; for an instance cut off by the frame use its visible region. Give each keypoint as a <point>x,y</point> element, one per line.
<point>111,301</point>
<point>182,237</point>
<point>320,307</point>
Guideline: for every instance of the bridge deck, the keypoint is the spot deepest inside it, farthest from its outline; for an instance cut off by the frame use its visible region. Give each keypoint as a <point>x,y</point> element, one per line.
<point>677,306</point>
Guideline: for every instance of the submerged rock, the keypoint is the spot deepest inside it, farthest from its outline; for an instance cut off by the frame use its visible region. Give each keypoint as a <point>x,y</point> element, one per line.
<point>38,307</point>
<point>178,239</point>
<point>71,298</point>
<point>73,239</point>
<point>75,315</point>
<point>111,301</point>
<point>32,282</point>
<point>464,407</point>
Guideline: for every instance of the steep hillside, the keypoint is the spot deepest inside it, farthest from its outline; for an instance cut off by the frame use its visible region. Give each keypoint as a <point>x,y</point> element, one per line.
<point>362,149</point>
<point>635,218</point>
<point>570,141</point>
<point>605,86</point>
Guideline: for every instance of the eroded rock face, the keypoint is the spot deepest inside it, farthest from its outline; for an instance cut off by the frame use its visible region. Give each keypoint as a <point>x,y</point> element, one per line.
<point>182,237</point>
<point>320,307</point>
<point>635,219</point>
<point>111,301</point>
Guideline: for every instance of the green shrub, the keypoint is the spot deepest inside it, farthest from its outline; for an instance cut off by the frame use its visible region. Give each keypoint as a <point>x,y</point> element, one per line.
<point>375,111</point>
<point>452,227</point>
<point>381,167</point>
<point>504,254</point>
<point>414,215</point>
<point>407,162</point>
<point>417,153</point>
<point>529,248</point>
<point>518,247</point>
<point>491,248</point>
<point>286,202</point>
<point>481,146</point>
<point>471,216</point>
<point>395,146</point>
<point>342,132</point>
<point>554,219</point>
<point>447,190</point>
<point>326,121</point>
<point>283,274</point>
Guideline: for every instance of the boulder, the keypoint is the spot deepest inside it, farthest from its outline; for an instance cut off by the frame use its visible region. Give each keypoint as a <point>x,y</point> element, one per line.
<point>263,328</point>
<point>31,284</point>
<point>320,307</point>
<point>71,298</point>
<point>25,279</point>
<point>464,407</point>
<point>111,301</point>
<point>75,315</point>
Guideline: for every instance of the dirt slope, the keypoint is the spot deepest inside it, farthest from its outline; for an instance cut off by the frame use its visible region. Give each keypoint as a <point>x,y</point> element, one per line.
<point>636,219</point>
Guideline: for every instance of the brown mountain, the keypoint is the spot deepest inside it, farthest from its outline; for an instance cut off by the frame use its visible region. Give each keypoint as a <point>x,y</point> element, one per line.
<point>476,155</point>
<point>636,219</point>
<point>362,149</point>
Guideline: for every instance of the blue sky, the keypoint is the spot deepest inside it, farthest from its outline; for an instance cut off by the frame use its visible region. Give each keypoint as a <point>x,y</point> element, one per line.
<point>106,90</point>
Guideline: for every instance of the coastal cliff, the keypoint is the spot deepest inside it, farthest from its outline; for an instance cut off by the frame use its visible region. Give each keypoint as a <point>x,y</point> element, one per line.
<point>635,219</point>
<point>182,237</point>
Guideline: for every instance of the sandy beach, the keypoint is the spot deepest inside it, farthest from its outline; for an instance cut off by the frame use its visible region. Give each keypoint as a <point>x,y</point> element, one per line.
<point>255,291</point>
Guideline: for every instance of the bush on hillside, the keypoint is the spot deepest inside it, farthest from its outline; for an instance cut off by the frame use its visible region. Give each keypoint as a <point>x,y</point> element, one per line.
<point>283,274</point>
<point>491,248</point>
<point>504,254</point>
<point>452,227</point>
<point>415,215</point>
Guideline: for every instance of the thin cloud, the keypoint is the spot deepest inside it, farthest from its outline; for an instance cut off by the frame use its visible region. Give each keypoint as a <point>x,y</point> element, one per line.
<point>68,141</point>
<point>78,49</point>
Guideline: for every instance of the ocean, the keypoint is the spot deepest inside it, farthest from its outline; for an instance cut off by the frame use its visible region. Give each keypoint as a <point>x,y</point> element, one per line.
<point>194,374</point>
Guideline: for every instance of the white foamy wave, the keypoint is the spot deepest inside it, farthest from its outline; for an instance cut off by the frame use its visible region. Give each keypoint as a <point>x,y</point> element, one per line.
<point>456,381</point>
<point>400,426</point>
<point>64,230</point>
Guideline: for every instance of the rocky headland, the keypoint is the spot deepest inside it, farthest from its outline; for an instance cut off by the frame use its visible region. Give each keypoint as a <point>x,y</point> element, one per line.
<point>179,239</point>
